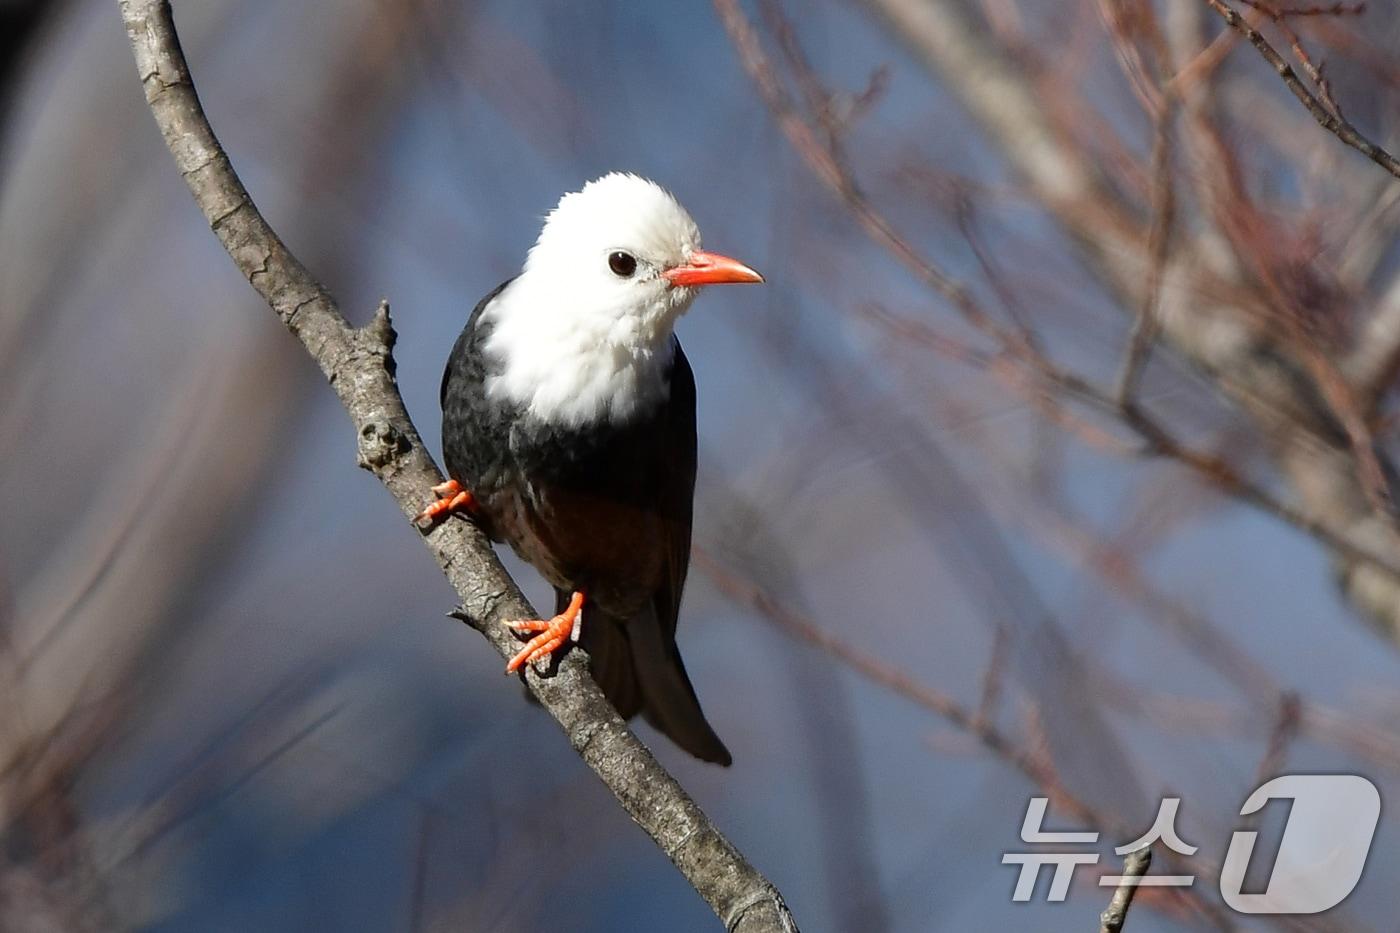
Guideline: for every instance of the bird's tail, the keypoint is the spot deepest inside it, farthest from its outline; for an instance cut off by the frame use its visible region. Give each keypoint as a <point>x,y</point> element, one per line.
<point>639,669</point>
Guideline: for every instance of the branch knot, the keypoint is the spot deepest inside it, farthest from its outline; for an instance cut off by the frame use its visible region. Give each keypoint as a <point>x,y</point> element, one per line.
<point>380,444</point>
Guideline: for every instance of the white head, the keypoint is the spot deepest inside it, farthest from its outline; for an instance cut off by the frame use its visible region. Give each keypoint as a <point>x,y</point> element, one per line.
<point>585,331</point>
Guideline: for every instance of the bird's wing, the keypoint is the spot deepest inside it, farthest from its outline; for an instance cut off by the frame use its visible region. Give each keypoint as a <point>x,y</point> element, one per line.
<point>460,350</point>
<point>677,491</point>
<point>668,698</point>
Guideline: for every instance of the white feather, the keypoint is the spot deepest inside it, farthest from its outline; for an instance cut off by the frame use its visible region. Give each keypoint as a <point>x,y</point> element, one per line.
<point>575,342</point>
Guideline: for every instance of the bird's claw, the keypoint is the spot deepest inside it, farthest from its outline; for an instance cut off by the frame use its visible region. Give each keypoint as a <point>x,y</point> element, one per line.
<point>451,497</point>
<point>552,634</point>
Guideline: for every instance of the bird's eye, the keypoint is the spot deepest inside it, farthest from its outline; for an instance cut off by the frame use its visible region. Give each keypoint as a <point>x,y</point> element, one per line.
<point>622,264</point>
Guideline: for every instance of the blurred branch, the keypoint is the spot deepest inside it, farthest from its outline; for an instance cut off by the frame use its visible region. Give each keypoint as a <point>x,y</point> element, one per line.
<point>1040,375</point>
<point>826,162</point>
<point>1291,713</point>
<point>359,365</point>
<point>1030,758</point>
<point>1160,99</point>
<point>1081,546</point>
<point>1134,867</point>
<point>1375,362</point>
<point>1329,119</point>
<point>1144,330</point>
<point>1287,724</point>
<point>1230,300</point>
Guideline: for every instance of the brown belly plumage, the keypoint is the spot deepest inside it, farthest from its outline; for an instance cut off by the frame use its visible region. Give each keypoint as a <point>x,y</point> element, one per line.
<point>613,551</point>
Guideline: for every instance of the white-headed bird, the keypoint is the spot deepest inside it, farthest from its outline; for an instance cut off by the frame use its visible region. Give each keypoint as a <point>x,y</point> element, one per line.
<point>568,427</point>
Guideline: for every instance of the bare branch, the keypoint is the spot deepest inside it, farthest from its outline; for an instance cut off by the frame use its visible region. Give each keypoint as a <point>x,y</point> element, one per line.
<point>358,363</point>
<point>1375,362</point>
<point>1144,330</point>
<point>1134,867</point>
<point>1242,315</point>
<point>1333,123</point>
<point>1024,756</point>
<point>1286,726</point>
<point>1033,375</point>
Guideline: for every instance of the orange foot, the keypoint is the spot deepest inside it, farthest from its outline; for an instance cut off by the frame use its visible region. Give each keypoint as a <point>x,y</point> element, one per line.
<point>451,497</point>
<point>552,634</point>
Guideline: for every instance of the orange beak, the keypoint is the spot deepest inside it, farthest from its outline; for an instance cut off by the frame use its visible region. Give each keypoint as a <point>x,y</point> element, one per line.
<point>710,269</point>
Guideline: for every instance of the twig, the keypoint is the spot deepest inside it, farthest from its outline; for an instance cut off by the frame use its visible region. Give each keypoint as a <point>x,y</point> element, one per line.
<point>1028,757</point>
<point>359,365</point>
<point>1210,314</point>
<point>1287,723</point>
<point>1134,867</point>
<point>992,679</point>
<point>1082,547</point>
<point>1144,330</point>
<point>1295,42</point>
<point>1032,374</point>
<point>1334,124</point>
<point>1162,100</point>
<point>1335,9</point>
<point>828,167</point>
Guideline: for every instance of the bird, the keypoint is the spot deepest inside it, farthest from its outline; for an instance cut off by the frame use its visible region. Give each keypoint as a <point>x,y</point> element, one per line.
<point>569,433</point>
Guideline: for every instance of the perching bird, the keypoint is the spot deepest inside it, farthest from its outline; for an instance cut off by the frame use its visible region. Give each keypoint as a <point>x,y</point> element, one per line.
<point>568,427</point>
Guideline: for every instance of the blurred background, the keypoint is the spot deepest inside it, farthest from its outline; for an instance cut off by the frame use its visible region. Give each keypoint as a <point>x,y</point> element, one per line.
<point>1056,458</point>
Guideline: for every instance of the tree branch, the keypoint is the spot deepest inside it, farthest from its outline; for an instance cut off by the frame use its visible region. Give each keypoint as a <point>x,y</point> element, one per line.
<point>1349,543</point>
<point>1332,122</point>
<point>359,364</point>
<point>1134,867</point>
<point>1249,344</point>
